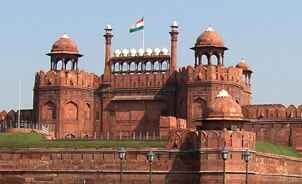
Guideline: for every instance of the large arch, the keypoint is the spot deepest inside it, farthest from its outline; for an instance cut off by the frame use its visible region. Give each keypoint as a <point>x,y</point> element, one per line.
<point>49,111</point>
<point>198,108</point>
<point>71,111</point>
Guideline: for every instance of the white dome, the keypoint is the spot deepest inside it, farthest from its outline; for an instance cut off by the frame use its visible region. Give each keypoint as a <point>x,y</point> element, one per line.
<point>132,52</point>
<point>164,51</point>
<point>148,51</point>
<point>156,51</point>
<point>125,52</point>
<point>210,29</point>
<point>117,52</point>
<point>223,93</point>
<point>108,26</point>
<point>141,52</point>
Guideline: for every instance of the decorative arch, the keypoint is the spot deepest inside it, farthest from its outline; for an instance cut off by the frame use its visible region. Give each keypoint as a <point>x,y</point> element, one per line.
<point>71,111</point>
<point>199,108</point>
<point>291,111</point>
<point>49,111</point>
<point>87,111</point>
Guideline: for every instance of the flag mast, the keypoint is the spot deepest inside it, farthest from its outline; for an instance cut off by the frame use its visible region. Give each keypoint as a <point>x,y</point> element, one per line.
<point>19,104</point>
<point>143,39</point>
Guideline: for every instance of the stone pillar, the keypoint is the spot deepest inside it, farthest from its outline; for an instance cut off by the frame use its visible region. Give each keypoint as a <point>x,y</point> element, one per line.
<point>173,33</point>
<point>108,37</point>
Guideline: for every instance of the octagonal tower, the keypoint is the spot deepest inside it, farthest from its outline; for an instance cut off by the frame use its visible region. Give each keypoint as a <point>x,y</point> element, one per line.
<point>64,96</point>
<point>199,85</point>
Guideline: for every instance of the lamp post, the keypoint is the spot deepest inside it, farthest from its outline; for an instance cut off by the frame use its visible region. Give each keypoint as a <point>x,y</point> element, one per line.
<point>247,156</point>
<point>225,156</point>
<point>121,154</point>
<point>150,158</point>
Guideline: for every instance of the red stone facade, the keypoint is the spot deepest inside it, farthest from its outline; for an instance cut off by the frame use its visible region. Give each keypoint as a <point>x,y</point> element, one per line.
<point>141,89</point>
<point>138,87</point>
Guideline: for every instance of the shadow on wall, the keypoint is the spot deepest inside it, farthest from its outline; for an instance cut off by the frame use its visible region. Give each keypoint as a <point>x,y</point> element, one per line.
<point>186,164</point>
<point>139,115</point>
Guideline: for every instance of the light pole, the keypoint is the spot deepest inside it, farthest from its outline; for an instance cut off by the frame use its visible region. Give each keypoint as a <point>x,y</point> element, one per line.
<point>121,154</point>
<point>225,156</point>
<point>247,156</point>
<point>150,158</point>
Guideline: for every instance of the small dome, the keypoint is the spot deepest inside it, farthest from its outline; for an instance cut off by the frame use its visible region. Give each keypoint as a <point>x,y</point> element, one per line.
<point>64,45</point>
<point>224,107</point>
<point>243,65</point>
<point>210,38</point>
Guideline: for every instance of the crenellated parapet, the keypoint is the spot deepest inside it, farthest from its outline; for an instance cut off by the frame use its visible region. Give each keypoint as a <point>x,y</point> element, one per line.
<point>272,112</point>
<point>200,73</point>
<point>211,139</point>
<point>72,78</point>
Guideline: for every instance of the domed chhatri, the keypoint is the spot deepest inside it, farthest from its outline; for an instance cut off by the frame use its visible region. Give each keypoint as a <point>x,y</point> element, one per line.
<point>224,107</point>
<point>209,38</point>
<point>243,65</point>
<point>64,45</point>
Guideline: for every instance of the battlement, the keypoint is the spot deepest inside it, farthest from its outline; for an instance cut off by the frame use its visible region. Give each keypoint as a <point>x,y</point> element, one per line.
<point>71,78</point>
<point>212,73</point>
<point>212,139</point>
<point>272,112</point>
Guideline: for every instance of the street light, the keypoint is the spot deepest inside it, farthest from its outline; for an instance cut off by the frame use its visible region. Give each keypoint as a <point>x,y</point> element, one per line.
<point>247,156</point>
<point>225,156</point>
<point>150,158</point>
<point>121,154</point>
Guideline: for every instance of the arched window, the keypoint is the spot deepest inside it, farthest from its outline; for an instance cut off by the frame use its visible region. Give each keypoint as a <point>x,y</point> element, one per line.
<point>71,111</point>
<point>132,67</point>
<point>87,112</point>
<point>198,108</point>
<point>148,66</point>
<point>49,111</point>
<point>164,65</point>
<point>156,66</point>
<point>214,60</point>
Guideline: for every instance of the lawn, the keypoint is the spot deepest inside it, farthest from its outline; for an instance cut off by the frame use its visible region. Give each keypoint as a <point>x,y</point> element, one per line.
<point>266,147</point>
<point>33,140</point>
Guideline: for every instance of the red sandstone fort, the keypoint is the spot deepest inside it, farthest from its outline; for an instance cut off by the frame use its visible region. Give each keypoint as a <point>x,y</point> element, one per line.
<point>142,92</point>
<point>205,107</point>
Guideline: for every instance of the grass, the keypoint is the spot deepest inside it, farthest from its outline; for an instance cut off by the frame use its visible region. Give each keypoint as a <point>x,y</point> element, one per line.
<point>266,147</point>
<point>33,140</point>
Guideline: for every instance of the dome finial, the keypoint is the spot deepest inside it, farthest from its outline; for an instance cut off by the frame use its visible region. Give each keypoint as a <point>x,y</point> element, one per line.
<point>65,35</point>
<point>223,93</point>
<point>210,29</point>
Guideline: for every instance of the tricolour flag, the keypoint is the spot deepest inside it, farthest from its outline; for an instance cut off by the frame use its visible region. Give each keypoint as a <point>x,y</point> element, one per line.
<point>139,25</point>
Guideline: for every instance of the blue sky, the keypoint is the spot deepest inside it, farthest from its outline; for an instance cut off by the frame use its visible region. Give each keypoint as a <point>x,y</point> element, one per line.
<point>266,33</point>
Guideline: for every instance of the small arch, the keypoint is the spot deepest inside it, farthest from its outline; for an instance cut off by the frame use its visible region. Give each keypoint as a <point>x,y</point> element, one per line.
<point>139,67</point>
<point>203,59</point>
<point>116,67</point>
<point>164,65</point>
<point>156,66</point>
<point>148,66</point>
<point>71,111</point>
<point>132,67</point>
<point>125,67</point>
<point>87,111</point>
<point>49,111</point>
<point>214,59</point>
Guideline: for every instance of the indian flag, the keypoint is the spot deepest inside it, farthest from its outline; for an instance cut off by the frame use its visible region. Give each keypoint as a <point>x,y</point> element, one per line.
<point>139,25</point>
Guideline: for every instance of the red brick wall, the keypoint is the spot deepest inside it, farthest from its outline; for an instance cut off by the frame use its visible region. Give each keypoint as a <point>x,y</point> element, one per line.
<point>101,166</point>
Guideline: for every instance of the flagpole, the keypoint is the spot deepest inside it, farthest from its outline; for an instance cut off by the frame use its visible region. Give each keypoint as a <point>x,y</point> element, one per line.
<point>144,38</point>
<point>19,105</point>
